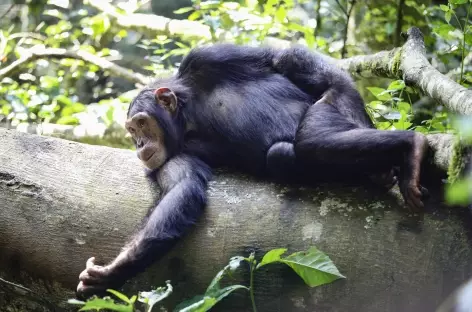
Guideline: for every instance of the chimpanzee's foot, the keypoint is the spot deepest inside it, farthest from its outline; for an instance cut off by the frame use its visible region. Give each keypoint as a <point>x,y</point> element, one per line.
<point>410,187</point>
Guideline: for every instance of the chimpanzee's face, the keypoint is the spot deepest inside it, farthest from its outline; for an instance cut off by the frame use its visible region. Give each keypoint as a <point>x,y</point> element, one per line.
<point>148,138</point>
<point>149,120</point>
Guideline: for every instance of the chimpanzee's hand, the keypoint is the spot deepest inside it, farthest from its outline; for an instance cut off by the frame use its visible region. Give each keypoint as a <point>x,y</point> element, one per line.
<point>96,279</point>
<point>413,193</point>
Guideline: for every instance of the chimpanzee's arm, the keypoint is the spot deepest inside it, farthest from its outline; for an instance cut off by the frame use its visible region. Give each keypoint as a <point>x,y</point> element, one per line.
<point>183,180</point>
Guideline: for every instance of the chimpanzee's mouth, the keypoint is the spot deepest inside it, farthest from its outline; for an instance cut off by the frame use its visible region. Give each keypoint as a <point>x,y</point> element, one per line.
<point>149,157</point>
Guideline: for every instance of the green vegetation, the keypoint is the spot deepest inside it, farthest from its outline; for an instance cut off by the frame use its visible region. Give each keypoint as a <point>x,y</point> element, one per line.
<point>312,265</point>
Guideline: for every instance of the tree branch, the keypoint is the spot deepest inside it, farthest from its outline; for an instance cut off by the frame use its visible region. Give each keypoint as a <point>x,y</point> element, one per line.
<point>153,24</point>
<point>64,202</point>
<point>410,64</point>
<point>36,53</point>
<point>7,11</point>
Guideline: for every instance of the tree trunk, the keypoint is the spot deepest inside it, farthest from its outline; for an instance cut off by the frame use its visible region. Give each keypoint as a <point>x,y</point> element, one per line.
<point>63,202</point>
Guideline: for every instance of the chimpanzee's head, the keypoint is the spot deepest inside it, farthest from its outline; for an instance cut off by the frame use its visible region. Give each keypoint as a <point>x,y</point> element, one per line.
<point>153,125</point>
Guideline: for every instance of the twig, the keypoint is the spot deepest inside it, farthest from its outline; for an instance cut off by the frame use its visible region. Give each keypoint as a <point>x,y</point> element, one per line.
<point>399,22</point>
<point>342,8</point>
<point>27,293</point>
<point>36,53</point>
<point>153,24</point>
<point>7,11</point>
<point>348,16</point>
<point>318,19</point>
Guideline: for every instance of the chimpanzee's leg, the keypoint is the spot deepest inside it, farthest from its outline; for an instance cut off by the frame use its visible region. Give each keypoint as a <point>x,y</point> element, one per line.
<point>314,74</point>
<point>281,161</point>
<point>326,137</point>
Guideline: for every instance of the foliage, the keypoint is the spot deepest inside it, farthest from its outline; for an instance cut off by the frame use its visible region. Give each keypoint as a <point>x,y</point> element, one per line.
<point>459,188</point>
<point>64,91</point>
<point>312,265</point>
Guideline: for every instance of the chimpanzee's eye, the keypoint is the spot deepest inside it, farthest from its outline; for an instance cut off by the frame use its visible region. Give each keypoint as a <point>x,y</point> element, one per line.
<point>141,122</point>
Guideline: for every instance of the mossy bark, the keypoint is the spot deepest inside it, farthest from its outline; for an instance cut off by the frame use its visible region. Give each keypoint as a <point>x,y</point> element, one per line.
<point>63,202</point>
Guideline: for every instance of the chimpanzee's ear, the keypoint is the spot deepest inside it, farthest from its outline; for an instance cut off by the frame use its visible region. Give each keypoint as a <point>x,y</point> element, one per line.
<point>166,98</point>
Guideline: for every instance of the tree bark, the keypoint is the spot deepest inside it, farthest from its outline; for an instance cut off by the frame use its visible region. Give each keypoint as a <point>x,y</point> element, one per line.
<point>410,64</point>
<point>63,202</point>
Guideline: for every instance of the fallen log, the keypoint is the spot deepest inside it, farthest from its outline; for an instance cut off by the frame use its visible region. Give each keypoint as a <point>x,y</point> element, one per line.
<point>63,202</point>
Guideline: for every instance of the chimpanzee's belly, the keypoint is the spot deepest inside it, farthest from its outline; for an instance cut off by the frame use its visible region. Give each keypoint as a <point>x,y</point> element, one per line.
<point>250,118</point>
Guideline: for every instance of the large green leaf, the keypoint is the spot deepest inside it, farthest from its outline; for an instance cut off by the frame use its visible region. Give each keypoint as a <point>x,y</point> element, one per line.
<point>313,266</point>
<point>379,93</point>
<point>205,302</point>
<point>272,256</point>
<point>198,304</point>
<point>214,292</point>
<point>233,265</point>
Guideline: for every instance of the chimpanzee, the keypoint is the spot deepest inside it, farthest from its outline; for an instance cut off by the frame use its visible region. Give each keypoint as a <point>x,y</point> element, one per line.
<point>277,112</point>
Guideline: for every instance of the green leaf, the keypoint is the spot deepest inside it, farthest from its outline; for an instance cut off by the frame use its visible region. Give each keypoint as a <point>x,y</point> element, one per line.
<point>460,192</point>
<point>380,93</point>
<point>206,302</point>
<point>443,7</point>
<point>102,303</point>
<point>233,265</point>
<point>403,106</point>
<point>458,1</point>
<point>201,304</point>
<point>195,15</point>
<point>119,295</point>
<point>280,14</point>
<point>63,100</point>
<point>468,38</point>
<point>396,85</point>
<point>448,16</point>
<point>150,298</point>
<point>443,30</point>
<point>313,266</point>
<point>68,120</point>
<point>272,256</point>
<point>402,125</point>
<point>214,293</point>
<point>296,27</point>
<point>183,10</point>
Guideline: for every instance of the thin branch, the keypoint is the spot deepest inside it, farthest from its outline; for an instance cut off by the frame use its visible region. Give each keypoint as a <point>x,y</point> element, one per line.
<point>34,54</point>
<point>399,25</point>
<point>318,19</point>
<point>153,24</point>
<point>348,16</point>
<point>7,11</point>
<point>342,8</point>
<point>27,293</point>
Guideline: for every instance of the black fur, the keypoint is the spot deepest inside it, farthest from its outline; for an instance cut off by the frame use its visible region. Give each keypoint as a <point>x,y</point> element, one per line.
<point>253,109</point>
